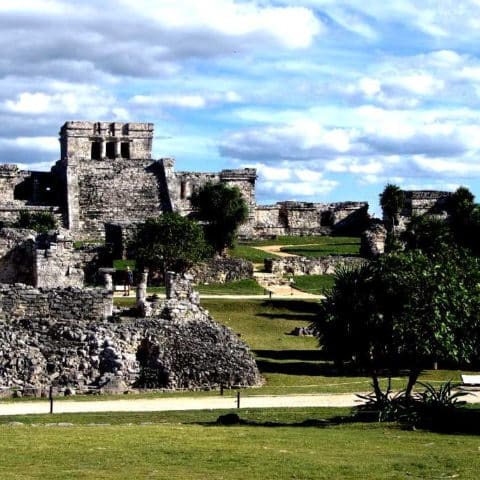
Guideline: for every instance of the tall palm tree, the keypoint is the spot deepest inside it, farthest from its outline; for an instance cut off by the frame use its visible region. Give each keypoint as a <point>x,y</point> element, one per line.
<point>391,200</point>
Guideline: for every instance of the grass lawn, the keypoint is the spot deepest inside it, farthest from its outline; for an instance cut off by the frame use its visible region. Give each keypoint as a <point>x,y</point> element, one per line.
<point>188,445</point>
<point>292,364</point>
<point>300,240</point>
<point>316,284</point>
<point>328,246</point>
<point>249,253</point>
<point>121,264</point>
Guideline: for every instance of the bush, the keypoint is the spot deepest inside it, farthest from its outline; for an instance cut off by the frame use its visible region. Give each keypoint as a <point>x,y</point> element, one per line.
<point>41,222</point>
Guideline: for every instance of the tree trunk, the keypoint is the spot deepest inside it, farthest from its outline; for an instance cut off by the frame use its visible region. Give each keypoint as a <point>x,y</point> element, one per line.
<point>412,379</point>
<point>376,387</point>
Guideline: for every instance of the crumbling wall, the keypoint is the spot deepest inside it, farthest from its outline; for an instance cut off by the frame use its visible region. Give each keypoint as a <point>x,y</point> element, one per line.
<point>309,266</point>
<point>221,270</point>
<point>21,302</point>
<point>421,202</point>
<point>17,250</point>
<point>58,337</point>
<point>56,263</point>
<point>305,218</point>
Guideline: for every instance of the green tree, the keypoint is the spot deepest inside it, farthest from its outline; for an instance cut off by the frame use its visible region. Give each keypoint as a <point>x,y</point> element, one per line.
<point>41,222</point>
<point>404,311</point>
<point>391,200</point>
<point>427,233</point>
<point>464,218</point>
<point>169,242</point>
<point>223,209</point>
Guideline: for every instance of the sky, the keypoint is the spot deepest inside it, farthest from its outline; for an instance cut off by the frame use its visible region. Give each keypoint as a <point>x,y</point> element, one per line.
<point>329,99</point>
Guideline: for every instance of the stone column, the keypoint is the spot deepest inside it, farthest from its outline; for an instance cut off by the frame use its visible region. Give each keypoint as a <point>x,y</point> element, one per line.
<point>118,151</point>
<point>142,286</point>
<point>103,149</point>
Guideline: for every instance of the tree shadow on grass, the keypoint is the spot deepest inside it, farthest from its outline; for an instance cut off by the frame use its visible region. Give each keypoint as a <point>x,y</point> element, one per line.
<point>295,306</point>
<point>311,355</point>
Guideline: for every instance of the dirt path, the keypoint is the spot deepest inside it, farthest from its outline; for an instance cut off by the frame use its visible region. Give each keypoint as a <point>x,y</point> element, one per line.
<point>276,249</point>
<point>190,403</point>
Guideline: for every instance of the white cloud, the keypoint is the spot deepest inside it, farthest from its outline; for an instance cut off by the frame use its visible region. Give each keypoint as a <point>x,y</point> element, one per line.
<point>46,144</point>
<point>292,27</point>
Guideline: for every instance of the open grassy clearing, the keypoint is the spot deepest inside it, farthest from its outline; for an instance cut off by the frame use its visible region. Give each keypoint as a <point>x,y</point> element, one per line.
<point>249,253</point>
<point>189,445</point>
<point>328,246</point>
<point>317,284</point>
<point>292,364</point>
<point>300,240</point>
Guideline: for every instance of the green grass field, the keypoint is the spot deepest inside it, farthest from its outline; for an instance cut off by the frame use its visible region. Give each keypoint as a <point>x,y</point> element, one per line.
<point>292,364</point>
<point>327,246</point>
<point>316,284</point>
<point>249,253</point>
<point>299,240</point>
<point>241,287</point>
<point>189,445</point>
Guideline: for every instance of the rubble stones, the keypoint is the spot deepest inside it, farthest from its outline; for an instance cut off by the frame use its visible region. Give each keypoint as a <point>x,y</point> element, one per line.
<point>58,338</point>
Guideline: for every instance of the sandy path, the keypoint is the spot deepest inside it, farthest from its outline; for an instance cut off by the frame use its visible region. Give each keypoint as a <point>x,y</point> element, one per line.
<point>190,403</point>
<point>276,249</point>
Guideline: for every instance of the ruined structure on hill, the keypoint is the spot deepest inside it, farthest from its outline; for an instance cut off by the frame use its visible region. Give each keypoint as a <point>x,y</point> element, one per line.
<point>106,175</point>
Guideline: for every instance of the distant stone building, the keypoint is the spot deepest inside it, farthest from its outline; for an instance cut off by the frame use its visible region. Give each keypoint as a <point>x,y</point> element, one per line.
<point>106,176</point>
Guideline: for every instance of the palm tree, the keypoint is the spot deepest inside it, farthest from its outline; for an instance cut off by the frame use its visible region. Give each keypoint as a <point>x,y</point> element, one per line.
<point>391,200</point>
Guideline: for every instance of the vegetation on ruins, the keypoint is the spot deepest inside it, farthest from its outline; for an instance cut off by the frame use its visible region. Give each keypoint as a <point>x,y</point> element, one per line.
<point>223,209</point>
<point>169,242</point>
<point>41,222</point>
<point>403,311</point>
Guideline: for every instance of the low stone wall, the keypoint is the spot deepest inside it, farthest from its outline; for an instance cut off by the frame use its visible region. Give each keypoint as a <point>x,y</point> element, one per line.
<point>309,266</point>
<point>221,270</point>
<point>23,302</point>
<point>57,337</point>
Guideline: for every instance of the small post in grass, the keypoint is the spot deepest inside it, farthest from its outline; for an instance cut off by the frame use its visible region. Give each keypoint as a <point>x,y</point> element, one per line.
<point>50,397</point>
<point>221,389</point>
<point>238,399</point>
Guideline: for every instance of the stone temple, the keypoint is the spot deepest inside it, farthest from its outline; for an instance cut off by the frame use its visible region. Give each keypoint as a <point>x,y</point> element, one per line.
<point>106,176</point>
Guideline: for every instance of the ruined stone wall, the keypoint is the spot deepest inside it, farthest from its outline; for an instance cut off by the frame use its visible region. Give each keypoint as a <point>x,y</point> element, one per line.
<point>309,266</point>
<point>17,249</point>
<point>18,301</point>
<point>304,218</point>
<point>221,270</point>
<point>64,343</point>
<point>58,264</point>
<point>421,202</point>
<point>10,177</point>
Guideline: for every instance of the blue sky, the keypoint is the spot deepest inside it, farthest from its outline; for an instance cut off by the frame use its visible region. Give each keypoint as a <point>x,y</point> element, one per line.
<point>328,99</point>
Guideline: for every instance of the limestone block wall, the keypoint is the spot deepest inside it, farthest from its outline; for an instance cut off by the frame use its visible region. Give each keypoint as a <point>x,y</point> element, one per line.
<point>10,177</point>
<point>58,264</point>
<point>420,202</point>
<point>221,270</point>
<point>17,247</point>
<point>19,301</point>
<point>304,218</point>
<point>112,191</point>
<point>309,266</point>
